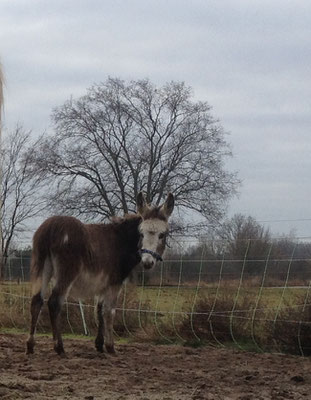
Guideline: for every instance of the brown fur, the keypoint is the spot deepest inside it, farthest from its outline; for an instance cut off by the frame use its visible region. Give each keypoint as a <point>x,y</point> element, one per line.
<point>111,246</point>
<point>79,255</point>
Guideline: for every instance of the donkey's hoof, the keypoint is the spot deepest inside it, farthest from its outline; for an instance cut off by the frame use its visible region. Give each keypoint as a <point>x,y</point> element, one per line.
<point>60,351</point>
<point>62,354</point>
<point>99,344</point>
<point>100,349</point>
<point>29,348</point>
<point>110,350</point>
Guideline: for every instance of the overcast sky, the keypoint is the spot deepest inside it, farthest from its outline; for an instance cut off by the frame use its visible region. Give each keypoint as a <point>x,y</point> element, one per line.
<point>250,60</point>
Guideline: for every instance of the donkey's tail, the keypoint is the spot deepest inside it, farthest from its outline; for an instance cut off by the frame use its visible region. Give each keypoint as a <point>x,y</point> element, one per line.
<point>41,265</point>
<point>40,272</point>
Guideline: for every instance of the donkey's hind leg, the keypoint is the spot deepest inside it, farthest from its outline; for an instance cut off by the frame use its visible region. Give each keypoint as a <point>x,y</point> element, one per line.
<point>55,302</point>
<point>67,270</point>
<point>36,304</point>
<point>39,288</point>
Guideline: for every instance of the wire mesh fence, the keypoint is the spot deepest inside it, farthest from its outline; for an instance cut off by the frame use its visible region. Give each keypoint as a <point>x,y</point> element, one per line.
<point>254,301</point>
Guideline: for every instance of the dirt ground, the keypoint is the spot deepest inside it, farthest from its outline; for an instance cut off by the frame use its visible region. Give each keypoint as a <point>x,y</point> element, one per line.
<point>148,372</point>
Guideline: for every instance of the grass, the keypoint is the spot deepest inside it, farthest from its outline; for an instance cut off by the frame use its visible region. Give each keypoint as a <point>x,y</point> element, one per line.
<point>248,317</point>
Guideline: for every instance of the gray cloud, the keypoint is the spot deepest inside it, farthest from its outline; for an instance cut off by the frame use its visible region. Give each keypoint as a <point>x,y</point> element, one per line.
<point>249,59</point>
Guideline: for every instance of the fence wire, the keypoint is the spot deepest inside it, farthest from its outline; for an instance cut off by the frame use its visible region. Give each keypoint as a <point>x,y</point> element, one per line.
<point>254,301</point>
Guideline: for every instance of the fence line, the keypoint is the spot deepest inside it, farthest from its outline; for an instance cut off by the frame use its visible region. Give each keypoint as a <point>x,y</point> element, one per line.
<point>261,303</point>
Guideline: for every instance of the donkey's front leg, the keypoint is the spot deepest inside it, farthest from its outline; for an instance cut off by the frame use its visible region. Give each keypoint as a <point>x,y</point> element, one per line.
<point>99,341</point>
<point>109,313</point>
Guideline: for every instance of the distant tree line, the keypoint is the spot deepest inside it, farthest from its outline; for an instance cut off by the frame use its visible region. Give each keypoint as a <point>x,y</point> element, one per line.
<point>242,249</point>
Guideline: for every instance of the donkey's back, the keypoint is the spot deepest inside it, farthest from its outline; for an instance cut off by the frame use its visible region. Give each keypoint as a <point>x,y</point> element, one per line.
<point>59,239</point>
<point>59,234</point>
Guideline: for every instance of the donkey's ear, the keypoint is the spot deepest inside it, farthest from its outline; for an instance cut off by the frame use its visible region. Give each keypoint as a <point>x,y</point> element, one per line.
<point>168,207</point>
<point>141,203</point>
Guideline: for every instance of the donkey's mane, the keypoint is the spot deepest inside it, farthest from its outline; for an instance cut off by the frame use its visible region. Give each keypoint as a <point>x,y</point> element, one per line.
<point>153,212</point>
<point>127,217</point>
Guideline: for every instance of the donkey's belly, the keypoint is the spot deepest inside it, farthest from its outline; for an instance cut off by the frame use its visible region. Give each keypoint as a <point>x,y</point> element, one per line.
<point>88,285</point>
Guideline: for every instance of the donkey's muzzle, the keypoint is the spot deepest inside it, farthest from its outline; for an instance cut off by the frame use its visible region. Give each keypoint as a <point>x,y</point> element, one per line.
<point>152,253</point>
<point>148,264</point>
<point>149,258</point>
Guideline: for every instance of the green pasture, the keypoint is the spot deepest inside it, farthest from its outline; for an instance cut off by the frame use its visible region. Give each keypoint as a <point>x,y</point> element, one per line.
<point>174,299</point>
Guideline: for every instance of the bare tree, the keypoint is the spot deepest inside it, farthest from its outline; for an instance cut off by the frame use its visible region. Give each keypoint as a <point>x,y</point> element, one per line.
<point>122,138</point>
<point>241,229</point>
<point>248,240</point>
<point>20,188</point>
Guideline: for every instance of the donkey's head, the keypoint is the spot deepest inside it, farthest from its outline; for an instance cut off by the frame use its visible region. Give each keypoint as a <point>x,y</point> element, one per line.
<point>153,229</point>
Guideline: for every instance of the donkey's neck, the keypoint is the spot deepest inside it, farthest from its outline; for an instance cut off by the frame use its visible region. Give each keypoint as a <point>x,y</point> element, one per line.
<point>128,244</point>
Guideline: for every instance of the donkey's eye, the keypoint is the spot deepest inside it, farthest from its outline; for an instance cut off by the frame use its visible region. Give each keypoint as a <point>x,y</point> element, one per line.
<point>141,235</point>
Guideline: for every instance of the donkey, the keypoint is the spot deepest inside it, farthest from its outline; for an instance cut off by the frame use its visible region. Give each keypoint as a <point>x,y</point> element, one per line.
<point>93,260</point>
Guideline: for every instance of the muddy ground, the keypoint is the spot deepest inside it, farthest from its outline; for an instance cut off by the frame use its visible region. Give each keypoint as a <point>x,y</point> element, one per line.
<point>144,371</point>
